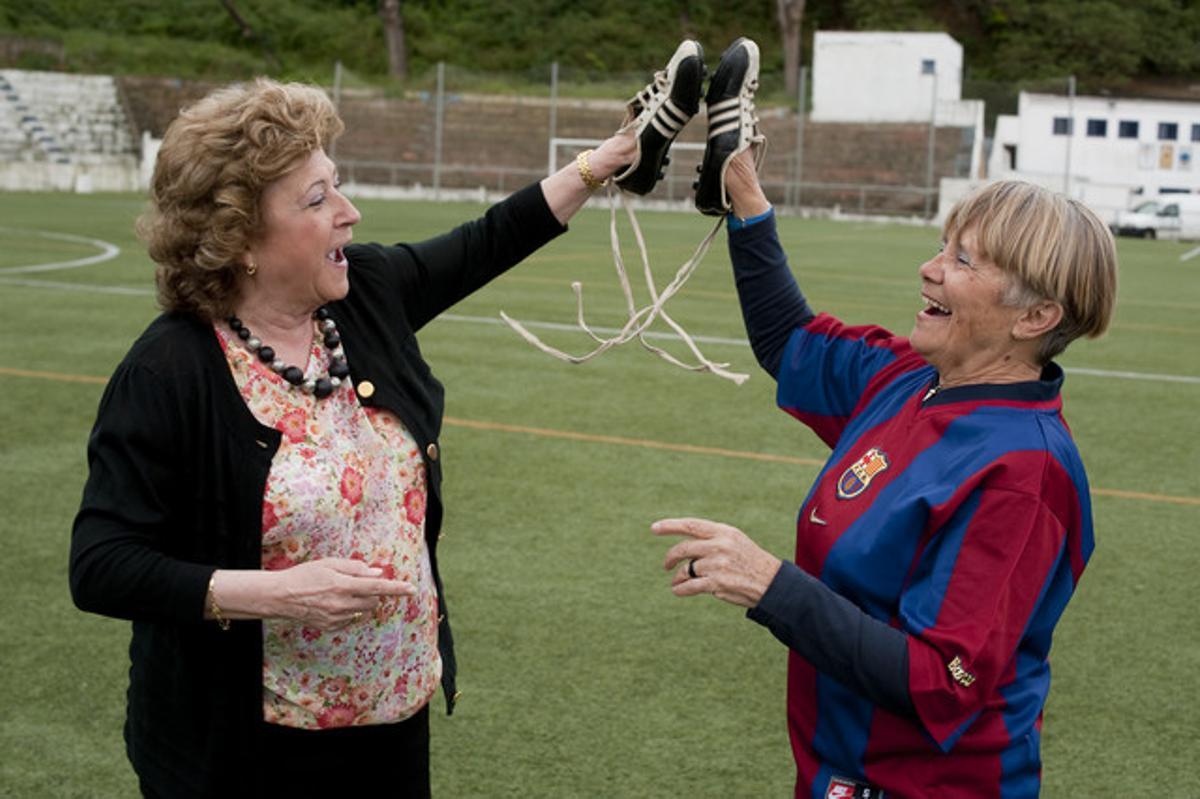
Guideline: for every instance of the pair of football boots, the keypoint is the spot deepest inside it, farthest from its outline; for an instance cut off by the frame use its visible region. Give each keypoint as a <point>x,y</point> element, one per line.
<point>658,113</point>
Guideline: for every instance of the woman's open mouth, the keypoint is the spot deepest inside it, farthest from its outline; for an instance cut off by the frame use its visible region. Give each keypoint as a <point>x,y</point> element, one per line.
<point>336,256</point>
<point>933,307</point>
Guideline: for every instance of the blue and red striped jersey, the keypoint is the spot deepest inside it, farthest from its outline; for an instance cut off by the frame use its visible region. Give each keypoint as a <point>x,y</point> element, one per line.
<point>959,516</point>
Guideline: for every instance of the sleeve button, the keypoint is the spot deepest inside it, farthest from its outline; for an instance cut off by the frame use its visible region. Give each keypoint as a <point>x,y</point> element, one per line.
<point>432,451</point>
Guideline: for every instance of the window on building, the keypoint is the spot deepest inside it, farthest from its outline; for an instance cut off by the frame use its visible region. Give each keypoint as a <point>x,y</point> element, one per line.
<point>1062,126</point>
<point>1195,132</point>
<point>1168,131</point>
<point>1127,129</point>
<point>1097,128</point>
<point>1010,153</point>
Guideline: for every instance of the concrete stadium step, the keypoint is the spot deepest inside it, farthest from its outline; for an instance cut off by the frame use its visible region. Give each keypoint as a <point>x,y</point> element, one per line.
<point>63,116</point>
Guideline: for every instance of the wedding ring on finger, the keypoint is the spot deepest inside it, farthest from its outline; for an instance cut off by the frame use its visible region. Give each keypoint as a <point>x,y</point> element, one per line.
<point>692,569</point>
<point>357,617</point>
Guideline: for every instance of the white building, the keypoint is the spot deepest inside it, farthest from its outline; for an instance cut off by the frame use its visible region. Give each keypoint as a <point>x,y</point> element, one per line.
<point>894,77</point>
<point>1105,151</point>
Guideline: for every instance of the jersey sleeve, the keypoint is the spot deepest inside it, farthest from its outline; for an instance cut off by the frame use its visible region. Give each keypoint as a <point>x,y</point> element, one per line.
<point>980,607</point>
<point>771,301</point>
<point>837,637</point>
<point>829,369</point>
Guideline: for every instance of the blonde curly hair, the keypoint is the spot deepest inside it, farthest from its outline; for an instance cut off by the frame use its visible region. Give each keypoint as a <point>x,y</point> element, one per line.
<point>216,159</point>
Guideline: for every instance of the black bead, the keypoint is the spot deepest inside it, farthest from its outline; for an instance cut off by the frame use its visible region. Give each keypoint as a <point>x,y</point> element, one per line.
<point>322,387</point>
<point>338,368</point>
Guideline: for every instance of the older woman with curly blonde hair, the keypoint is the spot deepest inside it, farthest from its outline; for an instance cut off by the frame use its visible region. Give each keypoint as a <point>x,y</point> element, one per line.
<point>212,170</point>
<point>263,499</point>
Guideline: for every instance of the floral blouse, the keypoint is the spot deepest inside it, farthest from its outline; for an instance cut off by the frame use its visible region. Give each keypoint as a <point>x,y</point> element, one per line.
<point>348,482</point>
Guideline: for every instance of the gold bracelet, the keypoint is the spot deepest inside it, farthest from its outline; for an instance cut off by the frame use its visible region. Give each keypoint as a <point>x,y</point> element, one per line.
<point>585,171</point>
<point>218,616</point>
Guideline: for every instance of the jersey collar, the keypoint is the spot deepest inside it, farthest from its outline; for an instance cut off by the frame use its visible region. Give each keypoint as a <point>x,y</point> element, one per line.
<point>1044,389</point>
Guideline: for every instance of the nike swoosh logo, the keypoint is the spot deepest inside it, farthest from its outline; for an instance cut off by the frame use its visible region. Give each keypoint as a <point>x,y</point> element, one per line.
<point>815,519</point>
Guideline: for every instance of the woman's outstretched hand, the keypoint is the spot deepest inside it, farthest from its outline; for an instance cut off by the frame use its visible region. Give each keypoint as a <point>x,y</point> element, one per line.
<point>565,190</point>
<point>717,559</point>
<point>741,183</point>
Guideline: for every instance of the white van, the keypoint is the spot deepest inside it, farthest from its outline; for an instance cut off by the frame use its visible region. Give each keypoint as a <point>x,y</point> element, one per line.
<point>1168,216</point>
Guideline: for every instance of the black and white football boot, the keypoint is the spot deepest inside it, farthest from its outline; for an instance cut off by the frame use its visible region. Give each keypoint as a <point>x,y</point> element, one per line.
<point>732,124</point>
<point>658,112</point>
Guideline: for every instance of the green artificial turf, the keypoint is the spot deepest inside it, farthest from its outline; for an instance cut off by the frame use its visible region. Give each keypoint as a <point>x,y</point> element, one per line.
<point>582,676</point>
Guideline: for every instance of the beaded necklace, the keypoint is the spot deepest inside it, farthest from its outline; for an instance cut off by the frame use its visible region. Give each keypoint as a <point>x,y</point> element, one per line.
<point>320,387</point>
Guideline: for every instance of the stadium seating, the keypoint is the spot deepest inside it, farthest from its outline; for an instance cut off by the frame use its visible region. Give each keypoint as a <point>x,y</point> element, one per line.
<point>62,118</point>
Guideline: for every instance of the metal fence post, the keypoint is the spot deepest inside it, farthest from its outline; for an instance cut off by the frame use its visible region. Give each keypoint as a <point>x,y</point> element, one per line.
<point>932,72</point>
<point>337,103</point>
<point>437,129</point>
<point>553,114</point>
<point>798,162</point>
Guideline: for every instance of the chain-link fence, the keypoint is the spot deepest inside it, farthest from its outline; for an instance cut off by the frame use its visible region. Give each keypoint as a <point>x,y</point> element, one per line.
<point>453,132</point>
<point>450,132</point>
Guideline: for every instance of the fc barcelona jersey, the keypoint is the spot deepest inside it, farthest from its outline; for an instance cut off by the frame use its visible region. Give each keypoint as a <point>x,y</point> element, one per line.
<point>959,516</point>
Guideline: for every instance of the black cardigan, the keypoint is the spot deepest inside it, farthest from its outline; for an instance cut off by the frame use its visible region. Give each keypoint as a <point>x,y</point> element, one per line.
<point>177,470</point>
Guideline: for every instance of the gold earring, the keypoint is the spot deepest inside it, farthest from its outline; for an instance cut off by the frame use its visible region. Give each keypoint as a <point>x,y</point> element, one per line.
<point>251,268</point>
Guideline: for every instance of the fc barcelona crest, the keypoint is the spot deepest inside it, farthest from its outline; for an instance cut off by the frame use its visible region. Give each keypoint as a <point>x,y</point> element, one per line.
<point>855,480</point>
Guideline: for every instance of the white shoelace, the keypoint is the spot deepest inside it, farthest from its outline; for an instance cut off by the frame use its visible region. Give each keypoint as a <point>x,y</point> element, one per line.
<point>640,319</point>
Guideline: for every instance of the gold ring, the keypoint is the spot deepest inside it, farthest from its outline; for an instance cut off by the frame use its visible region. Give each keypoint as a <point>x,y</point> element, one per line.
<point>358,616</point>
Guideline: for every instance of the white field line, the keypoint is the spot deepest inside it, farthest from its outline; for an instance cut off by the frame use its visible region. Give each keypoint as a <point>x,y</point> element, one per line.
<point>58,285</point>
<point>107,252</point>
<point>741,342</point>
<point>1148,377</point>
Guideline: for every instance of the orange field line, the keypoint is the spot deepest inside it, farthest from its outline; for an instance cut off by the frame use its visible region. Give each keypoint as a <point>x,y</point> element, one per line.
<point>571,435</point>
<point>730,453</point>
<point>59,376</point>
<point>1116,492</point>
<point>630,442</point>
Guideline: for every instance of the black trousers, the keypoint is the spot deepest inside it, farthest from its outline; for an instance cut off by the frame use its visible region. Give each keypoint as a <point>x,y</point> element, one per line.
<point>378,760</point>
<point>388,760</point>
